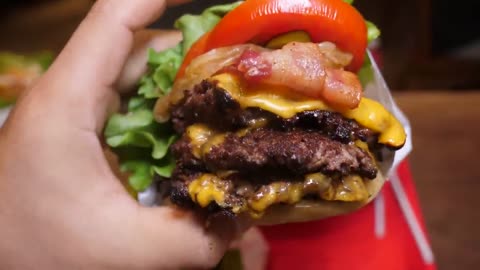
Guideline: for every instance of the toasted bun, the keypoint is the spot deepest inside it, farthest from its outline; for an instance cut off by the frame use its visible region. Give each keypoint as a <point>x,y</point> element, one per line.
<point>315,210</point>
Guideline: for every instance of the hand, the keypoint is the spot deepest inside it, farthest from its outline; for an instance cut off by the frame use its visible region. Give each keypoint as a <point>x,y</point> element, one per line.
<point>61,207</point>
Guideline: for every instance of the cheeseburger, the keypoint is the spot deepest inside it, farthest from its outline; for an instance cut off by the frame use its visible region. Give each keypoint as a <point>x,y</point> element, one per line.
<point>271,117</point>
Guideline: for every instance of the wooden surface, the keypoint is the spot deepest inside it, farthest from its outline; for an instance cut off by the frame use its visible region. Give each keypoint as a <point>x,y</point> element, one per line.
<point>446,167</point>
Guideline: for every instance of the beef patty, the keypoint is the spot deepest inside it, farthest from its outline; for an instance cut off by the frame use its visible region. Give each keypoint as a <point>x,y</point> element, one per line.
<point>211,105</point>
<point>278,155</point>
<point>288,153</point>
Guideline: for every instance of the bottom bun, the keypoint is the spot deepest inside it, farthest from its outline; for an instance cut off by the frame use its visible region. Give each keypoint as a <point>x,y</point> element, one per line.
<point>315,210</point>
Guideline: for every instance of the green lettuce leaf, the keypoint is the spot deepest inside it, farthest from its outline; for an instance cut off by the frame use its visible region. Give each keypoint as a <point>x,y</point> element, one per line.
<point>348,1</point>
<point>195,26</point>
<point>165,167</point>
<point>159,144</point>
<point>365,74</point>
<point>138,130</point>
<point>139,120</point>
<point>141,143</point>
<point>164,66</point>
<point>372,31</point>
<point>140,174</point>
<point>140,103</point>
<point>147,88</point>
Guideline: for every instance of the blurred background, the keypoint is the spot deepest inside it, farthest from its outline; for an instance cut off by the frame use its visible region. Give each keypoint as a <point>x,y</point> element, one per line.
<point>430,55</point>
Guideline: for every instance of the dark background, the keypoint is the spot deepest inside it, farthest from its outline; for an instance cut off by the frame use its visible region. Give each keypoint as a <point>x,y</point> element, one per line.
<point>426,44</point>
<point>431,56</point>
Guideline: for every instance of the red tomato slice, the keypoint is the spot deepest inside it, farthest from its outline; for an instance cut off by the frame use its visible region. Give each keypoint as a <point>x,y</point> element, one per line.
<point>258,21</point>
<point>198,48</point>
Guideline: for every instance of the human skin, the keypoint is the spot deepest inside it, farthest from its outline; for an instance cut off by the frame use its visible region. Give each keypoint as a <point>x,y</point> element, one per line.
<point>61,206</point>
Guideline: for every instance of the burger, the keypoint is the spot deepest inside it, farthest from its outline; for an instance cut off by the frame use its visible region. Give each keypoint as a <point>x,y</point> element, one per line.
<point>262,114</point>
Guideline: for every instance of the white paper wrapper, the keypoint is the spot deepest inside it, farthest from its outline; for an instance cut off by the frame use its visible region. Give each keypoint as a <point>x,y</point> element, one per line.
<point>3,115</point>
<point>378,90</point>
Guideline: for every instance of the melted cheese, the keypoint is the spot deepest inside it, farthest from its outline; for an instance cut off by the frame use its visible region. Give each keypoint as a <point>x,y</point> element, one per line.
<point>316,182</point>
<point>253,124</point>
<point>351,189</point>
<point>282,40</point>
<point>274,193</point>
<point>199,134</point>
<point>202,139</point>
<point>206,189</point>
<point>280,100</point>
<point>285,103</point>
<point>263,200</point>
<point>374,116</point>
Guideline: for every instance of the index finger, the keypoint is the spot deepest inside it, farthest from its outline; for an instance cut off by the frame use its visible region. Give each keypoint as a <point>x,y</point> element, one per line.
<point>91,62</point>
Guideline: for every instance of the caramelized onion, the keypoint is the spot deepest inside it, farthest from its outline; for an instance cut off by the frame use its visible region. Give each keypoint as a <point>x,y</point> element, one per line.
<point>336,57</point>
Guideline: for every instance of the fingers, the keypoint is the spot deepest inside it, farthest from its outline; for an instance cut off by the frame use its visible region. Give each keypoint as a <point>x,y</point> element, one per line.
<point>136,64</point>
<point>100,46</point>
<point>183,239</point>
<point>81,79</point>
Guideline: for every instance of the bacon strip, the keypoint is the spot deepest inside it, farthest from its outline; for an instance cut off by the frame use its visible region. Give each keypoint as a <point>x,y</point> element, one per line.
<point>304,68</point>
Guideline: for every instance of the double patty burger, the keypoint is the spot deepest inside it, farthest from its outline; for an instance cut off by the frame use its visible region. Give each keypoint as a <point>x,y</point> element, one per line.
<point>271,115</point>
